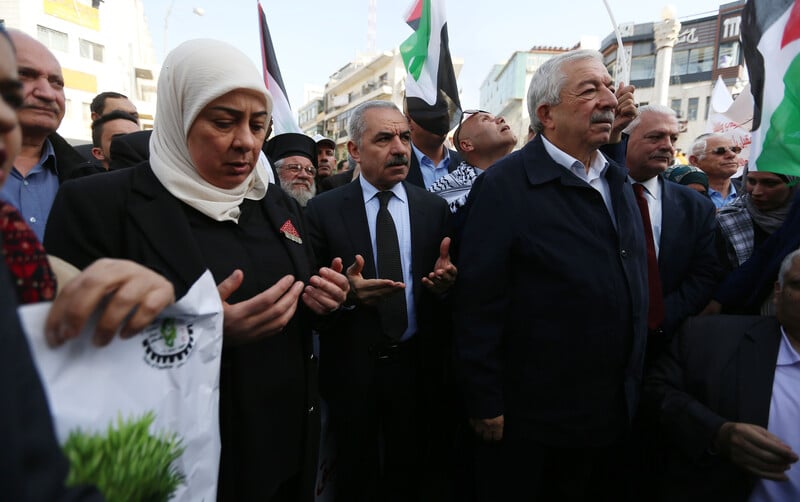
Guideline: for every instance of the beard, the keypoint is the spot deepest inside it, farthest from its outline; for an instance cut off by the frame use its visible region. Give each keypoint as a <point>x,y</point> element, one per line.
<point>302,194</point>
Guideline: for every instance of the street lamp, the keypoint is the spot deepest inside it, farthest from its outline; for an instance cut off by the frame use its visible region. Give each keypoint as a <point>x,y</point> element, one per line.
<point>197,11</point>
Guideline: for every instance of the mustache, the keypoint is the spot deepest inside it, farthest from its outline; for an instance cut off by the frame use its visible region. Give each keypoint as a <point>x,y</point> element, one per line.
<point>397,160</point>
<point>40,104</point>
<point>603,116</point>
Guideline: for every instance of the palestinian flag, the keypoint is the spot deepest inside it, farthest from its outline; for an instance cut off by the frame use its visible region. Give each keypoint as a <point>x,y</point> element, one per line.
<point>771,45</point>
<point>282,117</point>
<point>431,87</point>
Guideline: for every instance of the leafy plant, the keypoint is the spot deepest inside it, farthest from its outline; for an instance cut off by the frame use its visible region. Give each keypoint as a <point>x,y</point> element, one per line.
<point>127,463</point>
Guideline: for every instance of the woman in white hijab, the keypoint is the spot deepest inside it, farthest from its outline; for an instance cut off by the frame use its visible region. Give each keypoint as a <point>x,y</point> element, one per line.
<point>204,202</point>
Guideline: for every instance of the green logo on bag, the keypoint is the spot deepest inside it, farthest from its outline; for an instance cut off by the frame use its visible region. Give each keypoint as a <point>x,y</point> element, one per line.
<point>168,343</point>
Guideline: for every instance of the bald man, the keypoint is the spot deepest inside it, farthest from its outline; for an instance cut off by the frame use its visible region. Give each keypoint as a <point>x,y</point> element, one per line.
<point>46,159</point>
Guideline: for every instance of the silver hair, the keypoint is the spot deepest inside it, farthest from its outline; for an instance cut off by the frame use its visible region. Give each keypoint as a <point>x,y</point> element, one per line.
<point>786,264</point>
<point>357,125</point>
<point>698,148</point>
<point>549,80</point>
<point>659,109</point>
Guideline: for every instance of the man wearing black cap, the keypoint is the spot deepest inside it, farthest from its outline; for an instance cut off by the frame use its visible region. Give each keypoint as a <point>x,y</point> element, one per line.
<point>326,156</point>
<point>295,159</point>
<point>430,159</point>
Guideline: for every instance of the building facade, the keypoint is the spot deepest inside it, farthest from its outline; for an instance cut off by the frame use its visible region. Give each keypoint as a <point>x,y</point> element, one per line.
<point>706,48</point>
<point>102,46</point>
<point>504,92</point>
<point>371,76</point>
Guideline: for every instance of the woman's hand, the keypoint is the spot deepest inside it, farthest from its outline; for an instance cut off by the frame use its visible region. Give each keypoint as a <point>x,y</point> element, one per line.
<point>327,291</point>
<point>265,314</point>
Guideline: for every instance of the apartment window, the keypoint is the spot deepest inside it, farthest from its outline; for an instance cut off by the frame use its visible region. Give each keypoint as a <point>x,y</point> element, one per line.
<point>54,40</point>
<point>675,104</point>
<point>691,112</point>
<point>86,112</point>
<point>728,55</point>
<point>700,60</point>
<point>643,68</point>
<point>690,61</point>
<point>91,50</point>
<point>708,106</point>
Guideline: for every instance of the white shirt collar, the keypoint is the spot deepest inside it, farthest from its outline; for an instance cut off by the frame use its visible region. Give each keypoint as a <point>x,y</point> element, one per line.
<point>369,191</point>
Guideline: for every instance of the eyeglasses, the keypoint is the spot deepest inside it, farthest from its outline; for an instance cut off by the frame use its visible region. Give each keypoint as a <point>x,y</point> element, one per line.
<point>720,150</point>
<point>464,116</point>
<point>296,168</point>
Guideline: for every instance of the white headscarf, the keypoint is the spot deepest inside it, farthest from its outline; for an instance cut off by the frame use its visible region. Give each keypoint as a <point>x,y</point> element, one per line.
<point>194,74</point>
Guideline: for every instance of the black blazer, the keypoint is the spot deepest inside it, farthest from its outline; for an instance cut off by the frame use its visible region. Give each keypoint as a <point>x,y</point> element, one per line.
<point>130,149</point>
<point>687,261</point>
<point>415,174</point>
<point>335,181</point>
<point>717,369</point>
<point>337,223</point>
<point>550,305</point>
<point>129,214</point>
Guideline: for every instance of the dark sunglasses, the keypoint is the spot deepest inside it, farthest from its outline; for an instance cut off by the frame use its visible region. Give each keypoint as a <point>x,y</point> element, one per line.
<point>464,116</point>
<point>720,150</point>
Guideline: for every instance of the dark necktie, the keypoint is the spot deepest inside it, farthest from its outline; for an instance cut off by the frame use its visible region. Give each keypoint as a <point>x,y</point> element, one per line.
<point>655,310</point>
<point>392,309</point>
<point>26,259</point>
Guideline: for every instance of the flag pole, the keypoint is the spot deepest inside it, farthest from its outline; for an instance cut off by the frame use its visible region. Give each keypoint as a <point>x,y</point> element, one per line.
<point>622,59</point>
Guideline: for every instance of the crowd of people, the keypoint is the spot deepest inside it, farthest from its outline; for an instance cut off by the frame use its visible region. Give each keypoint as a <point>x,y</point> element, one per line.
<point>579,319</point>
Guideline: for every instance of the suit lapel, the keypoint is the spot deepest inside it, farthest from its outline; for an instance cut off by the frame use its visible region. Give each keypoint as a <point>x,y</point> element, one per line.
<point>757,355</point>
<point>162,221</point>
<point>418,220</point>
<point>414,175</point>
<point>354,213</point>
<point>671,213</point>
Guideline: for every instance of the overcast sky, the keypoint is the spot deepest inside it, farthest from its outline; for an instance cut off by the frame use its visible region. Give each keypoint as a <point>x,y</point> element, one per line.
<point>314,38</point>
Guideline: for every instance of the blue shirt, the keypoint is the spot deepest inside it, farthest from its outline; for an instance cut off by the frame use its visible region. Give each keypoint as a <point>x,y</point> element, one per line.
<point>398,208</point>
<point>784,417</point>
<point>33,194</point>
<point>718,200</point>
<point>431,172</point>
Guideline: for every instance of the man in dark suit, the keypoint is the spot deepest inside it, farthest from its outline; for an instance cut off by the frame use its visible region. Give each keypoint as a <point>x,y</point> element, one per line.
<point>551,302</point>
<point>682,223</point>
<point>430,159</point>
<point>381,367</point>
<point>726,395</point>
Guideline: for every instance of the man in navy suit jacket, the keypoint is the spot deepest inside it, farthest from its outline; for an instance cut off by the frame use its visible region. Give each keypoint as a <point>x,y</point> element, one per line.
<point>551,301</point>
<point>683,223</point>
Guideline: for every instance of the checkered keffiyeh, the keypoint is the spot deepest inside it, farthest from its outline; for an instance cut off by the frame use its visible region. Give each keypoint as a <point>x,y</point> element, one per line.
<point>455,186</point>
<point>737,226</point>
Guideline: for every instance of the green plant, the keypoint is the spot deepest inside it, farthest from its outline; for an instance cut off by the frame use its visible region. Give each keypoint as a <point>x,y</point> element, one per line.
<point>127,463</point>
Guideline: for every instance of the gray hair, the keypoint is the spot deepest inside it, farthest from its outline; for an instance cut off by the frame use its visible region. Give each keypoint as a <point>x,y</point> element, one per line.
<point>700,143</point>
<point>786,264</point>
<point>654,108</point>
<point>357,125</point>
<point>549,80</point>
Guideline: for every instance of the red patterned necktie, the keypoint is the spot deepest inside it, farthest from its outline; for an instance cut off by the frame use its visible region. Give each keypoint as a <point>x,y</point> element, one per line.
<point>655,310</point>
<point>26,259</point>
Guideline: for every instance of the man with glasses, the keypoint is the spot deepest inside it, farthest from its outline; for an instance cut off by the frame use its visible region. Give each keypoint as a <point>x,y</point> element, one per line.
<point>717,156</point>
<point>481,139</point>
<point>295,159</point>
